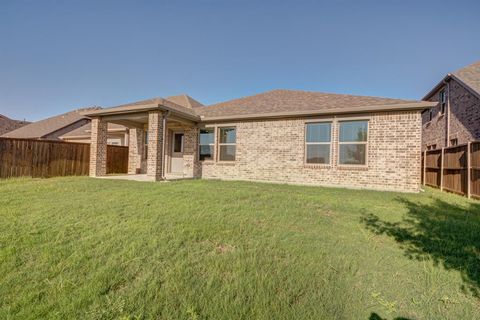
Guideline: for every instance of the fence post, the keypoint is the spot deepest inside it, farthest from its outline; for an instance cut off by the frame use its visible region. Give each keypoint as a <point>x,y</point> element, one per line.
<point>469,168</point>
<point>441,169</point>
<point>424,166</point>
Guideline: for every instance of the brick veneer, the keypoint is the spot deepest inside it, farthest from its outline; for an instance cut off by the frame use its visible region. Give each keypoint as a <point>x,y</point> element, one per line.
<point>136,143</point>
<point>464,118</point>
<point>98,148</point>
<point>155,145</point>
<point>273,150</point>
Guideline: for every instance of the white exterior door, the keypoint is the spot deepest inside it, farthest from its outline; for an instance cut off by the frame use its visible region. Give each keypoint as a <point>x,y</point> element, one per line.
<point>176,164</point>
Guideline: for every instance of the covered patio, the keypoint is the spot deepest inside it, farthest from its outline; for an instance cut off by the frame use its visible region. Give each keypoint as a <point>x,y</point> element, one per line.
<point>162,139</point>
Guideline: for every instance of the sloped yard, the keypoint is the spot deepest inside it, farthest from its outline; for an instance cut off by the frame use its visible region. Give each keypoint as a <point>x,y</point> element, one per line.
<point>102,249</point>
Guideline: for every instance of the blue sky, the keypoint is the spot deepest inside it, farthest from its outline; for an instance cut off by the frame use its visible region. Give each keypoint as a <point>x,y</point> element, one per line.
<point>59,55</point>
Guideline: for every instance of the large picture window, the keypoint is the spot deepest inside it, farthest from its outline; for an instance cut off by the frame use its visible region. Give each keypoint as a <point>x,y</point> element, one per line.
<point>317,142</point>
<point>207,144</point>
<point>227,143</point>
<point>353,142</point>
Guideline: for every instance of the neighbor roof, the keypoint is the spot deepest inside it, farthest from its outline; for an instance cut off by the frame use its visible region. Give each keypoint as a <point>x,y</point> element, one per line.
<point>468,76</point>
<point>8,125</point>
<point>296,102</point>
<point>85,131</point>
<point>44,127</point>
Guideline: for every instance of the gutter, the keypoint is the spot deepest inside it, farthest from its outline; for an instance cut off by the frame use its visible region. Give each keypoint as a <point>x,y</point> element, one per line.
<point>447,122</point>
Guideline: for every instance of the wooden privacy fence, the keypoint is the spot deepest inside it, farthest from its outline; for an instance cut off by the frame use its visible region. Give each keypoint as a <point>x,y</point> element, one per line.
<point>41,158</point>
<point>455,169</point>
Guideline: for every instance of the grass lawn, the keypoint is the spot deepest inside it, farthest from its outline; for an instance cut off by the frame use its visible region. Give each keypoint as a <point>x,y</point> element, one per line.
<point>103,249</point>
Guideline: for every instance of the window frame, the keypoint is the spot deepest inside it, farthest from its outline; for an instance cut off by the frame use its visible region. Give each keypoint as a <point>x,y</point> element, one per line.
<point>339,143</point>
<point>175,133</point>
<point>305,143</point>
<point>442,99</point>
<point>210,144</point>
<point>220,144</point>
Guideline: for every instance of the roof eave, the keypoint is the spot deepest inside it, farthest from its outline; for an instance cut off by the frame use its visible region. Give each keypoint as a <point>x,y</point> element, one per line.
<point>142,108</point>
<point>444,80</point>
<point>435,89</point>
<point>333,111</point>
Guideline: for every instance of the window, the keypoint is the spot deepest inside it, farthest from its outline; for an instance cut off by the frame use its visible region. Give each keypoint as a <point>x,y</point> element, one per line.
<point>206,144</point>
<point>432,147</point>
<point>453,142</point>
<point>353,142</point>
<point>317,142</point>
<point>178,142</point>
<point>430,114</point>
<point>227,144</point>
<point>442,98</point>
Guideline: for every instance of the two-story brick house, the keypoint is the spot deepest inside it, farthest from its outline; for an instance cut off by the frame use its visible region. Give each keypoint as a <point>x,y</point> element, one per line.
<point>456,117</point>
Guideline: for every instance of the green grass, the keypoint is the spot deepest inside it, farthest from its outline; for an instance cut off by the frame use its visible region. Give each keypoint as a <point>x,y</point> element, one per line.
<point>103,249</point>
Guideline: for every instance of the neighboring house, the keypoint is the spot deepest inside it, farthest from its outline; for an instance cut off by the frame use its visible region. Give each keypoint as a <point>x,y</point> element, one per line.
<point>456,117</point>
<point>283,136</point>
<point>7,124</point>
<point>72,126</point>
<point>117,134</point>
<point>54,127</point>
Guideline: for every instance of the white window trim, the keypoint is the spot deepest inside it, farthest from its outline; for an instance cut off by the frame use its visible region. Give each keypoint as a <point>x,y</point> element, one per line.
<point>219,144</point>
<point>318,143</point>
<point>182,141</point>
<point>210,144</point>
<point>353,142</point>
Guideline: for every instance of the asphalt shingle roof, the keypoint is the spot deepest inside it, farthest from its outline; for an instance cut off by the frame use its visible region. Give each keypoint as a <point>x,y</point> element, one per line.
<point>277,101</point>
<point>8,125</point>
<point>44,127</point>
<point>470,75</point>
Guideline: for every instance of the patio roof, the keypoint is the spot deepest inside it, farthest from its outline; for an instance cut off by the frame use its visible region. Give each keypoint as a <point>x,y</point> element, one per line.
<point>145,106</point>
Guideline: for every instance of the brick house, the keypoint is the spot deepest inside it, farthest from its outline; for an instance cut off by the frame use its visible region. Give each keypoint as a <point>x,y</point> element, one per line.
<point>455,119</point>
<point>282,136</point>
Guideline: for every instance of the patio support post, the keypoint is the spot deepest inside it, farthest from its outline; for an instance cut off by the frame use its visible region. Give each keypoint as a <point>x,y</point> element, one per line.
<point>98,148</point>
<point>156,135</point>
<point>136,143</point>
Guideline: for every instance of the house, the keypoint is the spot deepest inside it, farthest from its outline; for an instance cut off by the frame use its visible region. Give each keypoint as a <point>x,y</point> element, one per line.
<point>283,136</point>
<point>7,124</point>
<point>455,119</point>
<point>72,126</point>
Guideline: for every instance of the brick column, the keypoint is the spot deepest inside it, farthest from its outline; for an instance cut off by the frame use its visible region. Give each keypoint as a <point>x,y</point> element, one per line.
<point>136,143</point>
<point>190,152</point>
<point>155,145</point>
<point>98,148</point>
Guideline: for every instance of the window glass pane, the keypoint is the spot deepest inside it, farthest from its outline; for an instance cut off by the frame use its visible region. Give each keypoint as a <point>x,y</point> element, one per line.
<point>318,153</point>
<point>228,135</point>
<point>207,136</point>
<point>318,132</point>
<point>352,153</point>
<point>351,131</point>
<point>206,152</point>
<point>227,153</point>
<point>177,142</point>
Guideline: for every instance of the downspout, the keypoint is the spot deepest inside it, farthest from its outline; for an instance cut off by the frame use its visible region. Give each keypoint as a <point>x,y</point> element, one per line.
<point>164,134</point>
<point>447,130</point>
